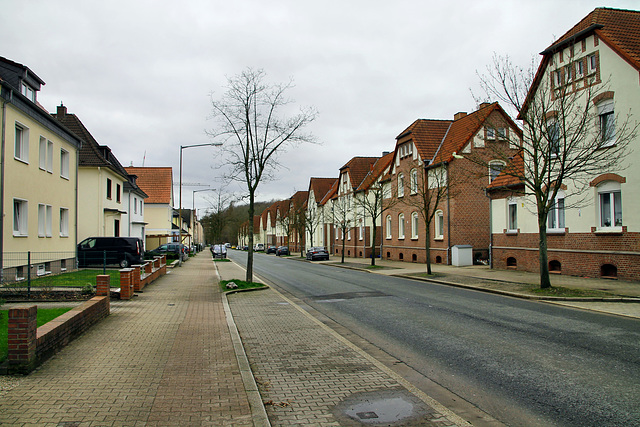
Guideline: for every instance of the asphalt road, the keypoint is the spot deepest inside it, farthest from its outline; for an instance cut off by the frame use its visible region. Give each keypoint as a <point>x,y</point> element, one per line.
<point>522,362</point>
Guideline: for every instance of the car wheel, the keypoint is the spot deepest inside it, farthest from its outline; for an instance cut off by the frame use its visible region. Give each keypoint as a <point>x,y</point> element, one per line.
<point>124,263</point>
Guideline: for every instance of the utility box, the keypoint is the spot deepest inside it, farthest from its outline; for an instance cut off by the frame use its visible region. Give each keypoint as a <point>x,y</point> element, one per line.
<point>462,255</point>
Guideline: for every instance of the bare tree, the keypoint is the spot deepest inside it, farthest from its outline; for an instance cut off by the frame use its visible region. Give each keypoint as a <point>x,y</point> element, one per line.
<point>255,122</point>
<point>370,200</point>
<point>342,213</point>
<point>312,219</point>
<point>566,142</point>
<point>429,189</point>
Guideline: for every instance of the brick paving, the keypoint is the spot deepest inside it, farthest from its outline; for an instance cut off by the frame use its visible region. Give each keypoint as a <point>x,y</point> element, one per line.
<point>164,358</point>
<point>310,376</point>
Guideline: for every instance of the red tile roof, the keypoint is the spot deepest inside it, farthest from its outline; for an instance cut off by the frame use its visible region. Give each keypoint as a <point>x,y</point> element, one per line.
<point>463,130</point>
<point>378,169</point>
<point>320,187</point>
<point>156,182</point>
<point>426,135</point>
<point>618,28</point>
<point>358,168</point>
<point>332,192</point>
<point>506,177</point>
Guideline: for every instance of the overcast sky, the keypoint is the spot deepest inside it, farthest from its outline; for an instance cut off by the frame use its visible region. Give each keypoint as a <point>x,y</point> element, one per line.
<point>139,74</point>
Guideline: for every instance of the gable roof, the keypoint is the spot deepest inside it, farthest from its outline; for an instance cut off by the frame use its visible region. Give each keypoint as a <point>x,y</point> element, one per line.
<point>617,28</point>
<point>91,153</point>
<point>505,178</point>
<point>378,169</point>
<point>426,135</point>
<point>358,168</point>
<point>299,200</point>
<point>332,192</point>
<point>320,187</point>
<point>464,128</point>
<point>157,182</point>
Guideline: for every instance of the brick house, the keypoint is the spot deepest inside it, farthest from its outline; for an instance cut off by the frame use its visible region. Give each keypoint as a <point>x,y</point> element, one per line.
<point>601,236</point>
<point>345,216</point>
<point>297,221</point>
<point>429,159</point>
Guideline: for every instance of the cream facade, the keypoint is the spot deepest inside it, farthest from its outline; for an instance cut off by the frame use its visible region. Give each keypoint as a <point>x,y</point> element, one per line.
<point>595,228</point>
<point>39,180</point>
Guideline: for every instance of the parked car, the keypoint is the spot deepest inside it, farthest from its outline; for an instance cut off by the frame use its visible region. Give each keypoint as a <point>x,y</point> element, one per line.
<point>317,253</point>
<point>258,247</point>
<point>272,249</point>
<point>123,251</point>
<point>171,249</point>
<point>282,250</point>
<point>219,251</point>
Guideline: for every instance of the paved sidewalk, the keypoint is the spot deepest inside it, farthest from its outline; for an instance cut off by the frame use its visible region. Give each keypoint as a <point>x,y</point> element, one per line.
<point>310,375</point>
<point>165,358</point>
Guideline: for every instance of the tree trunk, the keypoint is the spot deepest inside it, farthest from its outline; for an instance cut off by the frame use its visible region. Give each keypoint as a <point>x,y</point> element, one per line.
<point>545,280</point>
<point>249,275</point>
<point>373,244</point>
<point>427,250</point>
<point>344,234</point>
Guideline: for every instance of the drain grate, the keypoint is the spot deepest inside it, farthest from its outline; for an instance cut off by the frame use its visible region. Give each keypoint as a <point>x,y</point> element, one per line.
<point>367,415</point>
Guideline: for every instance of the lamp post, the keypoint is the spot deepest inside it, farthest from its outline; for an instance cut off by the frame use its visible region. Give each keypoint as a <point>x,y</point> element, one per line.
<point>182,147</point>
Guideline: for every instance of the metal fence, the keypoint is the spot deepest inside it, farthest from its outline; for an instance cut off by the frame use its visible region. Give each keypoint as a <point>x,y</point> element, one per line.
<point>20,269</point>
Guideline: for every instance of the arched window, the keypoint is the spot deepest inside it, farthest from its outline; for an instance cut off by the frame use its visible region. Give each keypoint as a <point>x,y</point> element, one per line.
<point>439,225</point>
<point>495,167</point>
<point>400,185</point>
<point>414,225</point>
<point>610,204</point>
<point>401,226</point>
<point>414,181</point>
<point>388,226</point>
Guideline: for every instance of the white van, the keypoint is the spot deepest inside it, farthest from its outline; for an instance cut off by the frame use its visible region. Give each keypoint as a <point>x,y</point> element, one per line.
<point>258,247</point>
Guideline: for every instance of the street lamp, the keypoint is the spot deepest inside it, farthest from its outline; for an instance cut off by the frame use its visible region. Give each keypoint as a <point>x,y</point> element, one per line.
<point>182,147</point>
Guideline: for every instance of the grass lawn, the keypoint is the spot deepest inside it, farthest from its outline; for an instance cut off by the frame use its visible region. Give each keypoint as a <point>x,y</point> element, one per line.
<point>73,279</point>
<point>44,316</point>
<point>241,285</point>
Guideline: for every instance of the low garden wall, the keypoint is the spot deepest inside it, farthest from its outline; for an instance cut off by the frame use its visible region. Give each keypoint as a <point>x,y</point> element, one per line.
<point>29,345</point>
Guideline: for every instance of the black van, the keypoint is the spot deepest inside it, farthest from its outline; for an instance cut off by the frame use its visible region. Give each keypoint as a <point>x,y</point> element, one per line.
<point>123,251</point>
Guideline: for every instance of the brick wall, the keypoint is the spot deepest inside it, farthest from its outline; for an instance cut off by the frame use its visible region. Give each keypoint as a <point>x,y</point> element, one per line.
<point>578,254</point>
<point>29,347</point>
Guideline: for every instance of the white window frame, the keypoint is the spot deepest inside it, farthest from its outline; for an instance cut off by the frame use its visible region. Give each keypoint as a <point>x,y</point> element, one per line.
<point>64,163</point>
<point>413,181</point>
<point>64,222</point>
<point>592,63</point>
<point>439,226</point>
<point>556,219</point>
<point>21,143</point>
<point>400,185</point>
<point>28,91</point>
<point>389,225</point>
<point>610,191</point>
<point>401,226</point>
<point>579,69</point>
<point>502,133</point>
<point>491,133</point>
<point>553,137</point>
<point>512,216</point>
<point>414,225</point>
<point>42,150</point>
<point>492,169</point>
<point>45,219</point>
<point>607,123</point>
<point>20,217</point>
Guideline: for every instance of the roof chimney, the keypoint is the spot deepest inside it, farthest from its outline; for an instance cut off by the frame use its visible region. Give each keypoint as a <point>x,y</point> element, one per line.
<point>483,105</point>
<point>459,115</point>
<point>61,111</point>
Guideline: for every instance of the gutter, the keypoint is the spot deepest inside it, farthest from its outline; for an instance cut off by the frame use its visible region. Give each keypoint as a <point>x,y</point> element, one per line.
<point>2,161</point>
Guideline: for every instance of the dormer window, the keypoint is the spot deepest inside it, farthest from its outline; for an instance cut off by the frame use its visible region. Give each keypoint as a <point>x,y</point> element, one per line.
<point>28,91</point>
